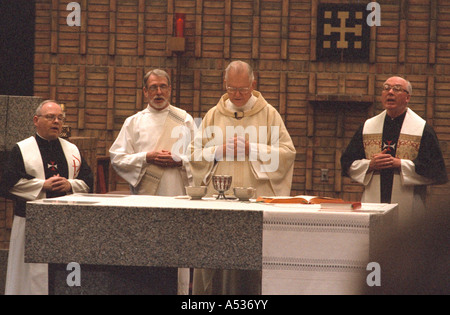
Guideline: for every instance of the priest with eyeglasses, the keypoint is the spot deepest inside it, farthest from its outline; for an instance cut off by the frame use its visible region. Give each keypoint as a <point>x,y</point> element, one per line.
<point>395,155</point>
<point>149,153</point>
<point>245,137</point>
<point>41,166</point>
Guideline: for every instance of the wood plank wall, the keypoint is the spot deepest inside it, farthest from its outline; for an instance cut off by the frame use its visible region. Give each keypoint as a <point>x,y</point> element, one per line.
<point>97,68</point>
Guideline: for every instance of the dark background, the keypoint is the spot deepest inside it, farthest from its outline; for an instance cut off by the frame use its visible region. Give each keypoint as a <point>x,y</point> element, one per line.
<point>17,47</point>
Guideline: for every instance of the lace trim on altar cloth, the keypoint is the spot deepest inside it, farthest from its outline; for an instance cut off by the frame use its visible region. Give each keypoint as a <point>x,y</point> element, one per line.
<point>302,264</point>
<point>336,226</point>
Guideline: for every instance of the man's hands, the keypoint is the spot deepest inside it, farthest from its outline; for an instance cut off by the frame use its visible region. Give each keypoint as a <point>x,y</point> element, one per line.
<point>163,158</point>
<point>57,184</point>
<point>234,147</point>
<point>383,161</point>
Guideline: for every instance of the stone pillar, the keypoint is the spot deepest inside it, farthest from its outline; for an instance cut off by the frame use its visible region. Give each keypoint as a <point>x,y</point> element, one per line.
<point>16,124</point>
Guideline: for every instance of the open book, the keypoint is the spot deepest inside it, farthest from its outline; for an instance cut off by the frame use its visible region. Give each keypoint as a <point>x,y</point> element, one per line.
<point>325,202</point>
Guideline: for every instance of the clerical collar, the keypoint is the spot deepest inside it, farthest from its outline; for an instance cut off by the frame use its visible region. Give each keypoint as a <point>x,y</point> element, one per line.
<point>248,106</point>
<point>41,139</point>
<point>398,119</point>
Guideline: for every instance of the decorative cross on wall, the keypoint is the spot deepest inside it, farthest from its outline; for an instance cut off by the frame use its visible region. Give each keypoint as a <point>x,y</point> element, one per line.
<point>342,32</point>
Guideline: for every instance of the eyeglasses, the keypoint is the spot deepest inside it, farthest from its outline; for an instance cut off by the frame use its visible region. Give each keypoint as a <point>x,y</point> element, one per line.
<point>52,118</point>
<point>233,90</point>
<point>396,88</point>
<point>154,88</point>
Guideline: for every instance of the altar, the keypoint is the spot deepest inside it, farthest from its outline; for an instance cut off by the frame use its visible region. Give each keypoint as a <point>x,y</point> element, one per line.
<point>300,249</point>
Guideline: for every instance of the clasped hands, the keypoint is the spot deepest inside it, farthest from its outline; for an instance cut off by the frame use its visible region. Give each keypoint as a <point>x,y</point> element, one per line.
<point>57,183</point>
<point>233,147</point>
<point>382,161</point>
<point>163,158</point>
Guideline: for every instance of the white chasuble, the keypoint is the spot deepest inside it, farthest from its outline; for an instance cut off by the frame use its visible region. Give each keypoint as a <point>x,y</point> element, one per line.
<point>270,164</point>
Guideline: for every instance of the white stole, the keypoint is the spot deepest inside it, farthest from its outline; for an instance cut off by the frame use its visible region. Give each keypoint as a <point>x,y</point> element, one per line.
<point>404,183</point>
<point>32,189</point>
<point>26,278</point>
<point>408,142</point>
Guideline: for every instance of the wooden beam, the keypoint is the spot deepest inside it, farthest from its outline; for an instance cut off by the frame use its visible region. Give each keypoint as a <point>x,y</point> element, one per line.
<point>169,23</point>
<point>54,28</point>
<point>403,31</point>
<point>198,28</point>
<point>283,93</point>
<point>141,29</point>
<point>81,95</point>
<point>309,166</point>
<point>112,27</point>
<point>227,31</point>
<point>256,28</point>
<point>433,32</point>
<point>337,170</point>
<point>83,27</point>
<point>430,100</point>
<point>312,48</point>
<point>284,30</point>
<point>373,45</point>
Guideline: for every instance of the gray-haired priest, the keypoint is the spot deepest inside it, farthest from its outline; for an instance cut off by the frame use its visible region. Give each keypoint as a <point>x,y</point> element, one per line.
<point>243,136</point>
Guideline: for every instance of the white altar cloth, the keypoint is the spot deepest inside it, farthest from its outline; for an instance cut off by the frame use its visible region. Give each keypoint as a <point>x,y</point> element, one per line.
<point>308,251</point>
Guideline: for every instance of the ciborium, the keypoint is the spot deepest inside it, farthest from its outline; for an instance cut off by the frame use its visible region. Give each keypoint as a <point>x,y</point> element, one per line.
<point>222,183</point>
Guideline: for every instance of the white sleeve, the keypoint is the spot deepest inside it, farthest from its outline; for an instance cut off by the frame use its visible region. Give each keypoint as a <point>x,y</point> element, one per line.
<point>78,186</point>
<point>410,177</point>
<point>28,189</point>
<point>358,172</point>
<point>128,163</point>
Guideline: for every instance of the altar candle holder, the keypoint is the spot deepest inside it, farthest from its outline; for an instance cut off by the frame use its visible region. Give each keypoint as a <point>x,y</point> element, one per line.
<point>179,24</point>
<point>177,43</point>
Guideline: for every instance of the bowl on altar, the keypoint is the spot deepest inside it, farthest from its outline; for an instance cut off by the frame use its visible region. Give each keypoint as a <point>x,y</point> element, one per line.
<point>244,193</point>
<point>196,192</point>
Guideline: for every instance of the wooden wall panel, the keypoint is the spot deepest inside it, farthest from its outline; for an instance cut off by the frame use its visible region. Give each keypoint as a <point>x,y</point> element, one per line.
<point>97,68</point>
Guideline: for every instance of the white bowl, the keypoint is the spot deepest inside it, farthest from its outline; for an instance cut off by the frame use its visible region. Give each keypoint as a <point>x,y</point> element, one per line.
<point>196,192</point>
<point>244,193</point>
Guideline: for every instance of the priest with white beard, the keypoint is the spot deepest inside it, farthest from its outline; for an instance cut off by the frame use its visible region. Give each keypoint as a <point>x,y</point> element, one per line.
<point>42,166</point>
<point>395,155</point>
<point>149,152</point>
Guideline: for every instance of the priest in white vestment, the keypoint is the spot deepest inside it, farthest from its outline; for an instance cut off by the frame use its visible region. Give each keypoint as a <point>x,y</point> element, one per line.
<point>149,152</point>
<point>243,136</point>
<point>42,166</point>
<point>395,155</point>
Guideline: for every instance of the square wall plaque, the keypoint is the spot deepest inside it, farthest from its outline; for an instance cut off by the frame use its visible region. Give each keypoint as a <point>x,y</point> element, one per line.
<point>342,32</point>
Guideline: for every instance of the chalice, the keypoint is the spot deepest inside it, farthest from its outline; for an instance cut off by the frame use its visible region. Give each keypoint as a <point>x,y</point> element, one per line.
<point>222,183</point>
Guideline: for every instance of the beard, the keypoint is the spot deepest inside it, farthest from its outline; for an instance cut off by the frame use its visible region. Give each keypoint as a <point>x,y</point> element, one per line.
<point>159,102</point>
